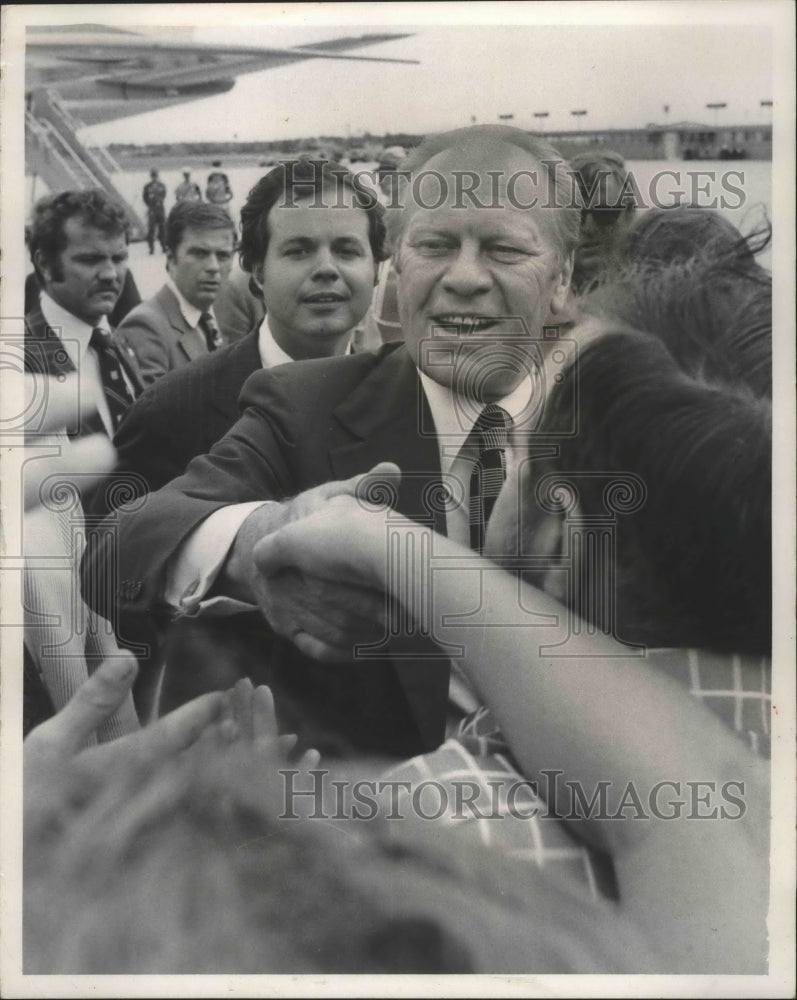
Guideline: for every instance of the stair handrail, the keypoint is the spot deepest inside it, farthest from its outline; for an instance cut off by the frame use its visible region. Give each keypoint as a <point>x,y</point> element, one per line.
<point>50,148</point>
<point>57,139</point>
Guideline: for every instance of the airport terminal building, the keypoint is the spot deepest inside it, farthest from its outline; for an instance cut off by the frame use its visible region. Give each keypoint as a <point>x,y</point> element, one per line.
<point>675,141</point>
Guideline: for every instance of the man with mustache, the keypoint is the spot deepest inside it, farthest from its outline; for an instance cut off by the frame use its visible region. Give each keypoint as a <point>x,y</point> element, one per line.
<point>178,323</point>
<point>78,246</point>
<point>483,245</point>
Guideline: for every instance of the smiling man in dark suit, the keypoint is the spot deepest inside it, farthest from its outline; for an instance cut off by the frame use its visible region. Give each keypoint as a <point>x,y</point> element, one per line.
<point>333,256</point>
<point>177,324</point>
<point>314,271</point>
<point>477,280</point>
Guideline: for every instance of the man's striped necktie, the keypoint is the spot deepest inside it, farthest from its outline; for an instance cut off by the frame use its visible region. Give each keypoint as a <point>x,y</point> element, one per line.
<point>490,432</point>
<point>118,394</point>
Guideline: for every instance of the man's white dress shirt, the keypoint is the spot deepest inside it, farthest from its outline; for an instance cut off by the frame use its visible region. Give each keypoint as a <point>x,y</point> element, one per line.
<point>196,564</point>
<point>75,334</point>
<point>190,313</point>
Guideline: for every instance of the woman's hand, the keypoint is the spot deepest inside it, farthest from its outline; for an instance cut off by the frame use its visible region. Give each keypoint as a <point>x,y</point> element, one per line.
<point>252,719</point>
<point>342,539</point>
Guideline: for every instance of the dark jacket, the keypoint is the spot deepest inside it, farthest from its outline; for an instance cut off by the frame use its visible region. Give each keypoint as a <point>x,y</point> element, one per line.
<point>302,424</point>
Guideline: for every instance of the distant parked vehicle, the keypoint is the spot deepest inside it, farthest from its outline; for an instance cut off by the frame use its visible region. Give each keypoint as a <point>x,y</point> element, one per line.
<point>358,155</point>
<point>314,154</point>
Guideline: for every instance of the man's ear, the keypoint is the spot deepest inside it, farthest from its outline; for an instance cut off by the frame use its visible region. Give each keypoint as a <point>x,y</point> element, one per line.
<point>43,266</point>
<point>256,283</point>
<point>562,287</point>
<point>255,287</point>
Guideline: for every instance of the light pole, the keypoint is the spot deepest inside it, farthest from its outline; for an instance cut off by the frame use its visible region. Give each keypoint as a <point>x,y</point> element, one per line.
<point>716,108</point>
<point>541,114</point>
<point>578,115</point>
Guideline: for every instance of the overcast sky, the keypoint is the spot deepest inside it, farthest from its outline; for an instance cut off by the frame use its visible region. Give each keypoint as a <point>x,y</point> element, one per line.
<point>622,74</point>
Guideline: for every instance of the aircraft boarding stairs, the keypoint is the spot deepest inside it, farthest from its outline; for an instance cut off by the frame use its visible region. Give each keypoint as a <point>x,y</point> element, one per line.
<point>54,153</point>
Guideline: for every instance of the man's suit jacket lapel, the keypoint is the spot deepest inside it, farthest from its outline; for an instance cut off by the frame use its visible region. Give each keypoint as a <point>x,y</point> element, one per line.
<point>388,419</point>
<point>189,340</point>
<point>241,359</point>
<point>232,366</point>
<point>44,352</point>
<point>127,359</point>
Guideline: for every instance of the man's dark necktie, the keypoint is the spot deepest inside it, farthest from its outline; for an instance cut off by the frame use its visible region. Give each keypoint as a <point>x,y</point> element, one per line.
<point>213,337</point>
<point>118,394</point>
<point>489,472</point>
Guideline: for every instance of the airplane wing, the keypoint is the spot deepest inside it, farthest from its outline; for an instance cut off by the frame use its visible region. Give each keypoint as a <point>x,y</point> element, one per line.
<point>165,57</point>
<point>100,74</point>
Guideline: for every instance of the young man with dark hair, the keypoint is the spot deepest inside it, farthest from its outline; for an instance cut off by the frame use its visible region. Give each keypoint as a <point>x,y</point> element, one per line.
<point>178,324</point>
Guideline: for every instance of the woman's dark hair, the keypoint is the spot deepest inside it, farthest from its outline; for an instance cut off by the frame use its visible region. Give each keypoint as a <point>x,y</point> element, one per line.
<point>681,232</point>
<point>714,317</point>
<point>692,561</point>
<point>297,179</point>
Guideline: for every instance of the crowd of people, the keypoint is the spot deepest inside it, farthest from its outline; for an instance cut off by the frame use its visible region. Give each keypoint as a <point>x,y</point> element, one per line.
<point>154,194</point>
<point>424,625</point>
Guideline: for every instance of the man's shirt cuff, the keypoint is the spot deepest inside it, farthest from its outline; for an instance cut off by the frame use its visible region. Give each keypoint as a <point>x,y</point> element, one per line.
<point>193,568</point>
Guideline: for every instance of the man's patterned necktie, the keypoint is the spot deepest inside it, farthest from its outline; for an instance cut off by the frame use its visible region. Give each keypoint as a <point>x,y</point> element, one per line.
<point>489,473</point>
<point>213,337</point>
<point>118,394</point>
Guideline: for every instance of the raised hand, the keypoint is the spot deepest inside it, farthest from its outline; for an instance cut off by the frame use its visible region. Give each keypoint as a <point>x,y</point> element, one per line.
<point>252,719</point>
<point>53,761</point>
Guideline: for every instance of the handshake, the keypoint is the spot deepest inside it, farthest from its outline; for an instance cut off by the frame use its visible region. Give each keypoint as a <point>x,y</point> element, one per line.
<point>316,565</point>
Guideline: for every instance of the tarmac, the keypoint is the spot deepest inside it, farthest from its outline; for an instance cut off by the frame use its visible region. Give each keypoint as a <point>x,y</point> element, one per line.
<point>148,271</point>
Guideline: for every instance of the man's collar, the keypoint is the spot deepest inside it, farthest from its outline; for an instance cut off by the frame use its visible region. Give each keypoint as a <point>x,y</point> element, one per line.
<point>190,312</point>
<point>73,331</point>
<point>271,354</point>
<point>454,416</point>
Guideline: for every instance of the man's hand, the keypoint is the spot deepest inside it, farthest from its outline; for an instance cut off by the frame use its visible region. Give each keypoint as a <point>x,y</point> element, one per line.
<point>323,615</point>
<point>344,541</point>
